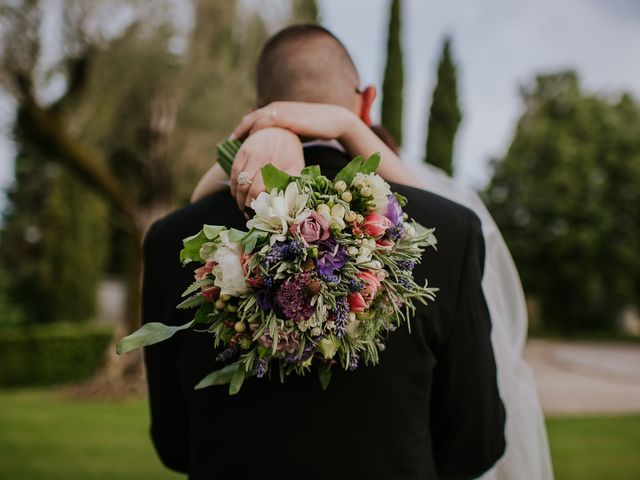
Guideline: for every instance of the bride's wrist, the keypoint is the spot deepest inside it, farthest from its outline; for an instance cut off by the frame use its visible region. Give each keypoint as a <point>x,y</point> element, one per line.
<point>352,128</point>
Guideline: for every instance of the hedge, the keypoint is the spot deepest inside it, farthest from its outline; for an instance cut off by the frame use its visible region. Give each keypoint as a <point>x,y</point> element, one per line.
<point>51,354</point>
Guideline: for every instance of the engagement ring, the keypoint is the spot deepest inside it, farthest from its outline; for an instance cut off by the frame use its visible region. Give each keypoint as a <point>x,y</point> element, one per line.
<point>243,179</point>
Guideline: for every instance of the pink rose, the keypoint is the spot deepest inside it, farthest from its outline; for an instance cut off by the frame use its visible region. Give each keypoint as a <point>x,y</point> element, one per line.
<point>359,301</point>
<point>375,225</point>
<point>203,271</point>
<point>312,229</point>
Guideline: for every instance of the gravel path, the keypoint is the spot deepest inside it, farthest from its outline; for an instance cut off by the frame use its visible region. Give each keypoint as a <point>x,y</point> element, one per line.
<point>584,377</point>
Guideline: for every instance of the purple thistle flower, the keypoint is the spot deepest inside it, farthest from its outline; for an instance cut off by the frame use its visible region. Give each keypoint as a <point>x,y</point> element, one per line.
<point>342,315</point>
<point>280,251</point>
<point>292,299</point>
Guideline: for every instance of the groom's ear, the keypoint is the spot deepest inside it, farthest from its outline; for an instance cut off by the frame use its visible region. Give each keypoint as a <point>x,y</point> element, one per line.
<point>368,95</point>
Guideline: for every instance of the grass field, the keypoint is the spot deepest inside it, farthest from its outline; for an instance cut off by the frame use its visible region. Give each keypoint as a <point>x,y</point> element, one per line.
<point>46,436</point>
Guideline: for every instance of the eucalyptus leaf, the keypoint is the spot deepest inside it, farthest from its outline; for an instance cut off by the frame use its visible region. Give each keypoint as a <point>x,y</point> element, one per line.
<point>148,334</point>
<point>236,381</point>
<point>274,178</point>
<point>191,250</point>
<point>253,238</point>
<point>219,377</point>
<point>203,315</point>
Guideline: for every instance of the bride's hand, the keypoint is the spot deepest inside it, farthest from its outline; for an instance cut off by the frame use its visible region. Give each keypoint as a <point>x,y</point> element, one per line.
<point>310,120</point>
<point>280,147</point>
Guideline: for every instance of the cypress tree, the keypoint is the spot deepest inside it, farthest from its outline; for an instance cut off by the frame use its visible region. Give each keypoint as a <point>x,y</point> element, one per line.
<point>444,116</point>
<point>305,11</point>
<point>392,85</point>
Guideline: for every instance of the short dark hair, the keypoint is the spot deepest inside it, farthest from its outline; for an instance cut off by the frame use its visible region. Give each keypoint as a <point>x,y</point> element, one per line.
<point>305,63</point>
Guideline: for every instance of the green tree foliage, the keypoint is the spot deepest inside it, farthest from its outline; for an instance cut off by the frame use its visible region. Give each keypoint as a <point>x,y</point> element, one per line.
<point>444,116</point>
<point>305,11</point>
<point>566,197</point>
<point>54,243</point>
<point>393,83</point>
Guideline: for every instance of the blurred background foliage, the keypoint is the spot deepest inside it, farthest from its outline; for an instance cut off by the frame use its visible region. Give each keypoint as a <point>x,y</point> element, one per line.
<point>116,123</point>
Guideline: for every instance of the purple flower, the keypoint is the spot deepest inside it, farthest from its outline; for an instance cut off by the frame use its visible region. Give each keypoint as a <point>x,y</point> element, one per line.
<point>261,369</point>
<point>394,211</point>
<point>266,298</point>
<point>331,257</point>
<point>342,315</point>
<point>292,298</point>
<point>405,265</point>
<point>353,361</point>
<point>287,250</point>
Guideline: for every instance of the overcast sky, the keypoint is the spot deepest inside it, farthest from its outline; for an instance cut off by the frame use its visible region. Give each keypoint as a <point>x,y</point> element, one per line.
<point>498,45</point>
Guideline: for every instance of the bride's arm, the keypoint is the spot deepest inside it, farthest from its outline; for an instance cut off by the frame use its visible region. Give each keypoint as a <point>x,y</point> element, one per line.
<point>211,182</point>
<point>312,120</point>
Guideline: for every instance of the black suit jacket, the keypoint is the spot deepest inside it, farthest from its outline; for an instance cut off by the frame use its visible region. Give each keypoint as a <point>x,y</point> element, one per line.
<point>430,409</point>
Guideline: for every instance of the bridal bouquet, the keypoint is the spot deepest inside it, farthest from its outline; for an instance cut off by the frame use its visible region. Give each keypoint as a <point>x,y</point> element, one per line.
<point>323,273</point>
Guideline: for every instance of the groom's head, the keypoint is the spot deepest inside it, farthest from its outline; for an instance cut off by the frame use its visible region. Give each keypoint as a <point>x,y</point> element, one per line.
<point>307,63</point>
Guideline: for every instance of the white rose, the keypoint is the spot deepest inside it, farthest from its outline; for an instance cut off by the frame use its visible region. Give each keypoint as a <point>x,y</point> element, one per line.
<point>228,272</point>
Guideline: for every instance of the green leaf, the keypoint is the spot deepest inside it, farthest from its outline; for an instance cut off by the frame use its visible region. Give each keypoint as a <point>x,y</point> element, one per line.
<point>219,377</point>
<point>311,171</point>
<point>191,250</point>
<point>148,334</point>
<point>370,165</point>
<point>349,171</point>
<point>203,315</point>
<point>358,164</point>
<point>253,238</point>
<point>192,301</point>
<point>324,374</point>
<point>236,381</point>
<point>212,231</point>
<point>274,178</point>
<point>236,235</point>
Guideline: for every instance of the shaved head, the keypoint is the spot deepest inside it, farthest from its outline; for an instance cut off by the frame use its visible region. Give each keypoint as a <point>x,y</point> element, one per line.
<point>306,63</point>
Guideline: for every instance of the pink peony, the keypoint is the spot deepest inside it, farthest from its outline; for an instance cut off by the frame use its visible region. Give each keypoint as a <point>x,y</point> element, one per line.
<point>312,229</point>
<point>375,225</point>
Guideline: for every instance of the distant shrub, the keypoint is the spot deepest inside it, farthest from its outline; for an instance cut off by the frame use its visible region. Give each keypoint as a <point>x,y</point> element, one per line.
<point>51,354</point>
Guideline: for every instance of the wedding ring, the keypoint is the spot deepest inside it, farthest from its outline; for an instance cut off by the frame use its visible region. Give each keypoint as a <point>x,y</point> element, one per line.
<point>272,112</point>
<point>243,179</point>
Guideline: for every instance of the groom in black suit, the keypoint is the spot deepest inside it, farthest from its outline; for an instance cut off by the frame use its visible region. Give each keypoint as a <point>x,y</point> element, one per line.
<point>429,410</point>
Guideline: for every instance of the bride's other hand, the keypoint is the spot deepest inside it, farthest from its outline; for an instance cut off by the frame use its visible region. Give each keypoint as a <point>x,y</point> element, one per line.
<point>308,120</point>
<point>278,146</point>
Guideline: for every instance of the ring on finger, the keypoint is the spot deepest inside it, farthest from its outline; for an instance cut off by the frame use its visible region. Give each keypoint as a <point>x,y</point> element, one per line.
<point>243,178</point>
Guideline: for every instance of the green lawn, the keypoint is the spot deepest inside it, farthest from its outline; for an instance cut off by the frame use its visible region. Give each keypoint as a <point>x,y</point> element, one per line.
<point>46,436</point>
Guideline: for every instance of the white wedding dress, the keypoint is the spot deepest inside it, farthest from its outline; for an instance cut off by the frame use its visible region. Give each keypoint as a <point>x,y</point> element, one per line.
<point>527,455</point>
